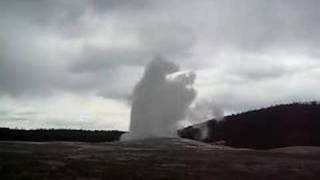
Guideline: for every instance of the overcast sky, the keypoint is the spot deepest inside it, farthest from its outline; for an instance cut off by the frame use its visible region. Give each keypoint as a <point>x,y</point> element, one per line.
<point>74,63</point>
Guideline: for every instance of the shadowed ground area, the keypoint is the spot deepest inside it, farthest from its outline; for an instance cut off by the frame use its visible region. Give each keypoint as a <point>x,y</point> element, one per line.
<point>167,158</point>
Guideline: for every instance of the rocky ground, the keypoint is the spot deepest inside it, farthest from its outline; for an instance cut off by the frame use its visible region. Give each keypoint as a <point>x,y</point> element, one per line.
<point>154,159</point>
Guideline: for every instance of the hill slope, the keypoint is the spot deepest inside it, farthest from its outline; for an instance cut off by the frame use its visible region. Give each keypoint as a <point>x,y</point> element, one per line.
<point>278,126</point>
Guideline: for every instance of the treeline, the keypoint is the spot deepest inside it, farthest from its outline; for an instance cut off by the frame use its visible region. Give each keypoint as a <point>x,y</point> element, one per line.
<point>294,124</point>
<point>59,135</point>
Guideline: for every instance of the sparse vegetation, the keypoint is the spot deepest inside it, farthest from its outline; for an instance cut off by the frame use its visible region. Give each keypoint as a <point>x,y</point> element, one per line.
<point>152,159</point>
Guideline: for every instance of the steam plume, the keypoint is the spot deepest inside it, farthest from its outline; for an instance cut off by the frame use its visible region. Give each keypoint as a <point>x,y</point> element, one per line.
<point>205,109</point>
<point>160,100</point>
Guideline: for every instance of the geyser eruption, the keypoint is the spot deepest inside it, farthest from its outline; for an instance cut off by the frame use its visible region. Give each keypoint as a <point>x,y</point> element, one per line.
<point>160,100</point>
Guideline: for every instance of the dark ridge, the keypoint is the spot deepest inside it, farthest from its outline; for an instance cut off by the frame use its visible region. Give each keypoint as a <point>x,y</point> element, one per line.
<point>296,124</point>
<point>40,135</point>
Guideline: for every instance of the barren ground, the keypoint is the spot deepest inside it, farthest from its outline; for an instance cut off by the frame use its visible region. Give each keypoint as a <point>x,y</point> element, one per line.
<point>154,159</point>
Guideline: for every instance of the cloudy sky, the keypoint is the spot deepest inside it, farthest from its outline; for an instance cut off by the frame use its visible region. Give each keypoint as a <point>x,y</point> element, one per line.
<point>73,64</point>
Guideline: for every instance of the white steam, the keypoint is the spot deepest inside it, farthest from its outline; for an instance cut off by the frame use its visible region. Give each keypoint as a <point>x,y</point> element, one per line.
<point>205,109</point>
<point>160,100</point>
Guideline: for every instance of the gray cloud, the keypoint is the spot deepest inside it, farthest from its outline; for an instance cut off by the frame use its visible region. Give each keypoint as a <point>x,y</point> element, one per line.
<point>93,59</point>
<point>117,5</point>
<point>18,73</point>
<point>166,38</point>
<point>99,47</point>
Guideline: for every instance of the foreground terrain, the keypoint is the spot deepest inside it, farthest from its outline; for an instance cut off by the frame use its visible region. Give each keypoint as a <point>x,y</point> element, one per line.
<point>154,159</point>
